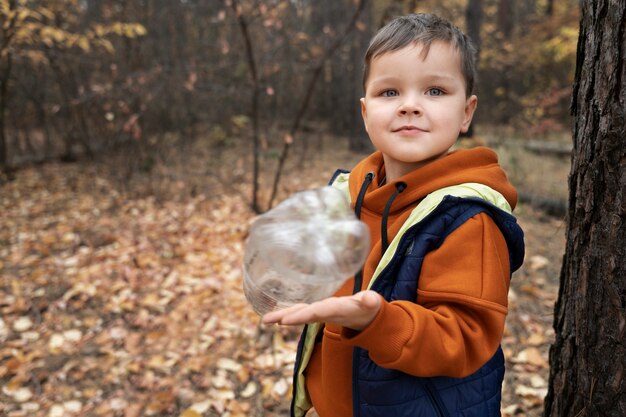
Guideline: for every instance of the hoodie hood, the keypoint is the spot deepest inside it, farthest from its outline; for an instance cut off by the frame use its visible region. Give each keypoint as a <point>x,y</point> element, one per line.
<point>385,208</point>
<point>478,165</point>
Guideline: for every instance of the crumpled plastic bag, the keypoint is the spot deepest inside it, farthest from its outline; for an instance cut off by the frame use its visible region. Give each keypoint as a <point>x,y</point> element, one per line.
<point>303,250</point>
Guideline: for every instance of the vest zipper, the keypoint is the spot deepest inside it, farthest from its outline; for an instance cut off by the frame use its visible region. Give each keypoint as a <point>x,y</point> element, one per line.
<point>436,400</point>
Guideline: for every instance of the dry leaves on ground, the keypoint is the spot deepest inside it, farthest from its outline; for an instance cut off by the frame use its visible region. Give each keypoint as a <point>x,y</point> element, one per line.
<point>118,306</point>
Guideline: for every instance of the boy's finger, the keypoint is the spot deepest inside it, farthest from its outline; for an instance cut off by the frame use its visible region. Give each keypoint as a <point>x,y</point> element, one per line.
<point>278,315</point>
<point>369,300</point>
<point>309,313</point>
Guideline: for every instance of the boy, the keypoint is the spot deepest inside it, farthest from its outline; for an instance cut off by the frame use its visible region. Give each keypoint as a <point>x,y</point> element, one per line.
<point>417,331</point>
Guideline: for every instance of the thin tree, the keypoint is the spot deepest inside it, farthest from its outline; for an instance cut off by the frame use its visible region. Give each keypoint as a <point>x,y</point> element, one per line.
<point>9,19</point>
<point>588,357</point>
<point>254,105</point>
<point>289,137</point>
<point>473,21</point>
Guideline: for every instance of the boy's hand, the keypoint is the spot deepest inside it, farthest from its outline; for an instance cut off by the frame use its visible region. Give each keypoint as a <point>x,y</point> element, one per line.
<point>354,312</point>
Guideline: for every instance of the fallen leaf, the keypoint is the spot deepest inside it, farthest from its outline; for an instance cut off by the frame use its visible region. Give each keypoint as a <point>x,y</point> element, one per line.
<point>56,411</point>
<point>531,356</point>
<point>536,339</point>
<point>201,407</point>
<point>281,387</point>
<point>533,393</point>
<point>537,381</point>
<point>249,390</point>
<point>21,394</point>
<point>22,324</point>
<point>190,413</point>
<point>228,365</point>
<point>538,262</point>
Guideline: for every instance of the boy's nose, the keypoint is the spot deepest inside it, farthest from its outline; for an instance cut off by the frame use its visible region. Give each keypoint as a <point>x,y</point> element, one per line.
<point>410,106</point>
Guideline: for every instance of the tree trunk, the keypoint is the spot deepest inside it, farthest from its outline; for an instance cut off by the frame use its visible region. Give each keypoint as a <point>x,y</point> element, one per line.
<point>473,23</point>
<point>549,8</point>
<point>357,136</point>
<point>8,33</point>
<point>4,95</point>
<point>254,111</point>
<point>338,41</point>
<point>588,358</point>
<point>506,17</point>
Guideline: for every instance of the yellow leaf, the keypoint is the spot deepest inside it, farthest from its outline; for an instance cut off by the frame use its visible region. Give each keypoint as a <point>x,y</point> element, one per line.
<point>83,43</point>
<point>36,57</point>
<point>107,45</point>
<point>23,15</point>
<point>140,30</point>
<point>240,121</point>
<point>47,13</point>
<point>59,35</point>
<point>190,413</point>
<point>100,30</point>
<point>4,6</point>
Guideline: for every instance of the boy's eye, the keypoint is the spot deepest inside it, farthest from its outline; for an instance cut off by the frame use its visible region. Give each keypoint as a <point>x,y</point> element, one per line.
<point>389,93</point>
<point>435,91</point>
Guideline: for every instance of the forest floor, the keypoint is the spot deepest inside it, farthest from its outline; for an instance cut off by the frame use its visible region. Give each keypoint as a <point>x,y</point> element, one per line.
<point>121,291</point>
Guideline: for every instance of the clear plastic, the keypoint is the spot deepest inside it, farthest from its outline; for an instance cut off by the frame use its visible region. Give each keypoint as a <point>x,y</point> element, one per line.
<point>303,250</point>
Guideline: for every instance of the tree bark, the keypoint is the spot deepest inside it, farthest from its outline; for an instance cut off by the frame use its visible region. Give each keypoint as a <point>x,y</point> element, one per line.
<point>588,357</point>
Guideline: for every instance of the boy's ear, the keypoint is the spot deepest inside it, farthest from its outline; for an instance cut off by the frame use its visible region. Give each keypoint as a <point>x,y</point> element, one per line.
<point>470,108</point>
<point>364,112</point>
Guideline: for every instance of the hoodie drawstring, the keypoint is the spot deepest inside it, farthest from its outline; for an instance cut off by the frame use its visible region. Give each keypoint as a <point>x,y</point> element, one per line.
<point>358,277</point>
<point>359,200</point>
<point>400,186</point>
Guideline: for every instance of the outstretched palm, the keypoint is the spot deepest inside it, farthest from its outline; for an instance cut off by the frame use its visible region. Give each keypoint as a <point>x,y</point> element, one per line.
<point>354,312</point>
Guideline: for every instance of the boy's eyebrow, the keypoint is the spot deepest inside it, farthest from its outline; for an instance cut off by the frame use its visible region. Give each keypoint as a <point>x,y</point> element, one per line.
<point>427,77</point>
<point>439,77</point>
<point>384,79</point>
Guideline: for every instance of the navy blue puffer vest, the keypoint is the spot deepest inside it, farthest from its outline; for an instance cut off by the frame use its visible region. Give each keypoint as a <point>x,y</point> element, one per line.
<point>380,392</point>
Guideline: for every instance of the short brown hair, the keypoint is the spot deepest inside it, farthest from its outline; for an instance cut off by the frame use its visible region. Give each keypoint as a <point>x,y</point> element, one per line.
<point>423,29</point>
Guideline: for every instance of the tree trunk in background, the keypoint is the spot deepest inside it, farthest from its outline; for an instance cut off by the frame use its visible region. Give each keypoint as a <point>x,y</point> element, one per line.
<point>317,72</point>
<point>506,17</point>
<point>473,23</point>
<point>588,358</point>
<point>357,137</point>
<point>8,32</point>
<point>4,95</point>
<point>254,107</point>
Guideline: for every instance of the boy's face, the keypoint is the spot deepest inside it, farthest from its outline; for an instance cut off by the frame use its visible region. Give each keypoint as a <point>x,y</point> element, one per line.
<point>415,108</point>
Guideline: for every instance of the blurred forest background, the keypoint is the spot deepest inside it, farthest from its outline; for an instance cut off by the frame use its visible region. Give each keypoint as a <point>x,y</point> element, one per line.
<point>83,78</point>
<point>138,140</point>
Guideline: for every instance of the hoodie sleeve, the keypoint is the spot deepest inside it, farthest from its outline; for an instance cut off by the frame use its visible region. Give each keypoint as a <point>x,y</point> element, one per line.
<point>458,322</point>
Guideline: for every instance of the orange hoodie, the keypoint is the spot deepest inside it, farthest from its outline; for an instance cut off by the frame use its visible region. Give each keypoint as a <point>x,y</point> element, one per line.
<point>458,322</point>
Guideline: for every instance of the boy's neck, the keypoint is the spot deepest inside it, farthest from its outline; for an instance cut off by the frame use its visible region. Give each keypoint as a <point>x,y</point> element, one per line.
<point>396,169</point>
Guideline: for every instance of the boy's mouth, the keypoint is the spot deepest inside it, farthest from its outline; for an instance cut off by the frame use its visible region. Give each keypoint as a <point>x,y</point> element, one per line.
<point>409,128</point>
